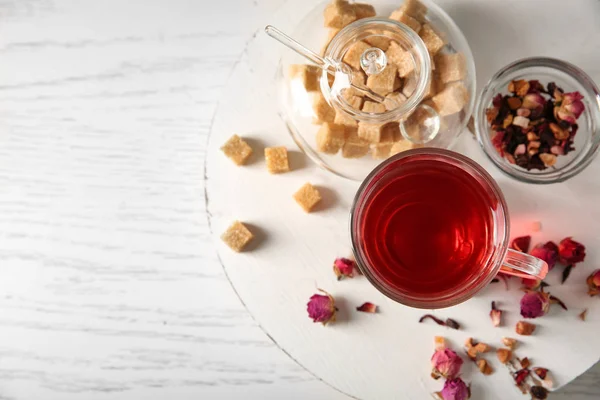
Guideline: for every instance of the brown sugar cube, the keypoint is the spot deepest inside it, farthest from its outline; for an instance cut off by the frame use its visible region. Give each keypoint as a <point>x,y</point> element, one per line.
<point>410,84</point>
<point>401,146</point>
<point>373,107</point>
<point>401,58</point>
<point>323,111</point>
<point>353,54</point>
<point>330,35</point>
<point>403,17</point>
<point>237,236</point>
<point>358,78</point>
<point>432,40</point>
<point>381,42</point>
<point>363,10</point>
<point>277,159</point>
<point>451,67</point>
<point>342,118</point>
<point>394,100</point>
<point>390,133</point>
<point>338,14</point>
<point>451,99</point>
<point>308,75</point>
<point>383,83</point>
<point>355,147</point>
<point>370,132</point>
<point>330,138</point>
<point>414,8</point>
<point>237,150</point>
<point>381,150</point>
<point>307,197</point>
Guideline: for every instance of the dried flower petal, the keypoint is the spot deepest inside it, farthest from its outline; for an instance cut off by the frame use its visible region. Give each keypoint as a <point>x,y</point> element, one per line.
<point>570,108</point>
<point>482,347</point>
<point>541,372</point>
<point>450,323</point>
<point>566,273</point>
<point>520,376</point>
<point>535,304</point>
<point>570,252</point>
<point>593,282</point>
<point>521,243</point>
<point>583,314</point>
<point>367,307</point>
<point>525,363</point>
<point>484,367</point>
<point>539,393</point>
<point>344,267</point>
<point>532,101</point>
<point>547,252</point>
<point>509,342</point>
<point>445,363</point>
<point>504,355</point>
<point>495,315</point>
<point>321,308</point>
<point>455,389</point>
<point>525,328</point>
<point>533,284</point>
<point>556,300</point>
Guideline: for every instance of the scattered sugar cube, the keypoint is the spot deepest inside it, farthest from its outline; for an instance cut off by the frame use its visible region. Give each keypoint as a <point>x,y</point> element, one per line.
<point>381,42</point>
<point>373,107</point>
<point>277,159</point>
<point>432,40</point>
<point>330,35</point>
<point>330,138</point>
<point>363,10</point>
<point>237,150</point>
<point>352,56</point>
<point>381,150</point>
<point>403,17</point>
<point>308,74</point>
<point>307,197</point>
<point>370,132</point>
<point>451,99</point>
<point>451,67</point>
<point>355,147</point>
<point>401,146</point>
<point>401,58</point>
<point>237,236</point>
<point>341,118</point>
<point>323,111</point>
<point>338,14</point>
<point>394,100</point>
<point>383,83</point>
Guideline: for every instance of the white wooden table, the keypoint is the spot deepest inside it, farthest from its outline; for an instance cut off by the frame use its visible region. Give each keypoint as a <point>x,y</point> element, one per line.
<point>110,287</point>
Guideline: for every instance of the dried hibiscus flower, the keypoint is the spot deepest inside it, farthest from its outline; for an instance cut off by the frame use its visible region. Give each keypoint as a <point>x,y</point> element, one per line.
<point>445,363</point>
<point>521,243</point>
<point>496,315</point>
<point>321,308</point>
<point>344,267</point>
<point>593,282</point>
<point>367,307</point>
<point>455,389</point>
<point>535,304</point>
<point>546,251</point>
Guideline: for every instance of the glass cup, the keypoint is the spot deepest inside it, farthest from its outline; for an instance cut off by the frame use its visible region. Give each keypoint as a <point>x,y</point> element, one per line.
<point>430,229</point>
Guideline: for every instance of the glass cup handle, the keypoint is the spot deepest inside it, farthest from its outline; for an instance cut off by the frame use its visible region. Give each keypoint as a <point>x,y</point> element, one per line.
<point>523,265</point>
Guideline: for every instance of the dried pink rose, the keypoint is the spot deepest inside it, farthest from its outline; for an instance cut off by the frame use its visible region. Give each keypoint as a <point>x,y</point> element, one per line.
<point>367,307</point>
<point>570,252</point>
<point>521,243</point>
<point>455,389</point>
<point>343,267</point>
<point>445,363</point>
<point>593,282</point>
<point>535,304</point>
<point>571,107</point>
<point>321,308</point>
<point>532,101</point>
<point>548,252</point>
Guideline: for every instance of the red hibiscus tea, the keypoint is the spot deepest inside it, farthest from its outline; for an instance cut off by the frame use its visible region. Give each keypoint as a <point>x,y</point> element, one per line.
<point>425,227</point>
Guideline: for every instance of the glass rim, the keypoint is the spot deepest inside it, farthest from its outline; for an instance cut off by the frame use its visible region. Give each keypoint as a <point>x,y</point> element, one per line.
<point>494,260</point>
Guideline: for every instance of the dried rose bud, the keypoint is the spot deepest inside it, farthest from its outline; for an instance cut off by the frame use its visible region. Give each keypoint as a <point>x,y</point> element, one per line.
<point>521,243</point>
<point>484,367</point>
<point>445,363</point>
<point>533,101</point>
<point>593,282</point>
<point>570,252</point>
<point>482,347</point>
<point>509,342</point>
<point>495,315</point>
<point>321,308</point>
<point>343,267</point>
<point>535,304</point>
<point>367,307</point>
<point>547,252</point>
<point>525,328</point>
<point>538,393</point>
<point>570,108</point>
<point>525,363</point>
<point>504,355</point>
<point>455,389</point>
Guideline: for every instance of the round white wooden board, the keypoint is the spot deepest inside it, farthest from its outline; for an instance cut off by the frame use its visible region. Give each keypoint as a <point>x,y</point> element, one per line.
<point>386,355</point>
